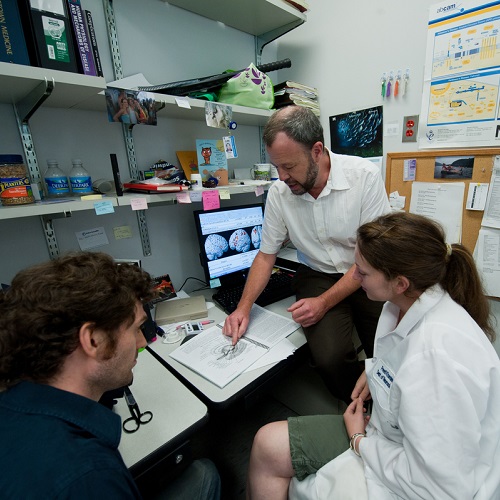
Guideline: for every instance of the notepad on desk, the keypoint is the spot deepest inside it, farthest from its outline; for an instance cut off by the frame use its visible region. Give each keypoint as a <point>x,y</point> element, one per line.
<point>212,355</point>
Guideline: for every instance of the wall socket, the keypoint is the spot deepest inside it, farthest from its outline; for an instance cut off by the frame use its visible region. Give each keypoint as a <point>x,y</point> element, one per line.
<point>410,128</point>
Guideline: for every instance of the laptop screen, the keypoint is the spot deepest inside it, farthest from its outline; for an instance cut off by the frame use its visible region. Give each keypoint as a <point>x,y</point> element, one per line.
<point>229,240</point>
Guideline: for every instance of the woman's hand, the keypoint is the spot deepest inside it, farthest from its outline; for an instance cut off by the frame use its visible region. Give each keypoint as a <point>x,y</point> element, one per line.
<point>355,419</point>
<point>361,389</point>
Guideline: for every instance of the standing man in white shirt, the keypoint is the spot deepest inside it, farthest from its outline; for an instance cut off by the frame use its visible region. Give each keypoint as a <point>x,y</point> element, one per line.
<point>318,203</point>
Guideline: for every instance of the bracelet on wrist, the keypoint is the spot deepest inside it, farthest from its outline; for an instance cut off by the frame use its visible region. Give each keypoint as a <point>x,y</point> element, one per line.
<point>352,443</point>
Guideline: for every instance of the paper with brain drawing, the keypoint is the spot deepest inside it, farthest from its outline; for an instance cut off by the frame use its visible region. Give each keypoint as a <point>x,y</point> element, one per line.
<point>211,354</point>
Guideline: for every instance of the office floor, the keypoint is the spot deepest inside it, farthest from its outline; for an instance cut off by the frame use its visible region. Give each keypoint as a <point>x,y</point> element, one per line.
<point>227,438</point>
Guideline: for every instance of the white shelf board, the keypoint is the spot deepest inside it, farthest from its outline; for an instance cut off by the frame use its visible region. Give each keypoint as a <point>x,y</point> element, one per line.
<point>18,80</point>
<point>256,17</point>
<point>169,198</point>
<point>42,208</point>
<point>242,115</point>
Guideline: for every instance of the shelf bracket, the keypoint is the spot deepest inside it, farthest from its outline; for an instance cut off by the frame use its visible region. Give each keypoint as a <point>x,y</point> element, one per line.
<point>24,110</point>
<point>262,40</point>
<point>50,234</point>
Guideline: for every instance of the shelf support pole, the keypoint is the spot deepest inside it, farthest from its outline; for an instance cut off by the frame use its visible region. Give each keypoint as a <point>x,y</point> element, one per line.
<point>109,14</point>
<point>24,110</point>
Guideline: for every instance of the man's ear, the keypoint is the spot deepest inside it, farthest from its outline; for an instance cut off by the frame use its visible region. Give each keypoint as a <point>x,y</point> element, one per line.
<point>91,339</point>
<point>317,150</point>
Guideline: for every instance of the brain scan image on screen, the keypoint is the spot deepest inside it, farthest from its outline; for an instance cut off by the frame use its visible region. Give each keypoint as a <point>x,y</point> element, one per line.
<point>256,235</point>
<point>215,246</point>
<point>239,241</point>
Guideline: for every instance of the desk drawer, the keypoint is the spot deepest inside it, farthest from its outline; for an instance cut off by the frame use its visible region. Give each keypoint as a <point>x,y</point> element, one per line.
<point>153,473</point>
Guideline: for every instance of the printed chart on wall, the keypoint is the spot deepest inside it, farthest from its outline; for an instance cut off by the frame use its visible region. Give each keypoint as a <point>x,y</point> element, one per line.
<point>460,103</point>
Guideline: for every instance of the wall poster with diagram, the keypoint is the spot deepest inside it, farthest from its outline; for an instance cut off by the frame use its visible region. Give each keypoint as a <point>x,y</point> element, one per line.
<point>460,101</point>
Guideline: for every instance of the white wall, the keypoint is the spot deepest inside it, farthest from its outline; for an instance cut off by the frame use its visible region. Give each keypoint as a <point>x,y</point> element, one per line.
<point>344,48</point>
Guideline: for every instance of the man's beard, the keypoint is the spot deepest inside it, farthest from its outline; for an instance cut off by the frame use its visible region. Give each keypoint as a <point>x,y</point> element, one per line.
<point>311,176</point>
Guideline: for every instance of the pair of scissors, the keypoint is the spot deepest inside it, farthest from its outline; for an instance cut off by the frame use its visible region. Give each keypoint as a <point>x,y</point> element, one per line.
<point>132,424</point>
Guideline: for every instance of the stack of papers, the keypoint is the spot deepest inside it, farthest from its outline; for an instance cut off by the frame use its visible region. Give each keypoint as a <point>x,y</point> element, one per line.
<point>288,93</point>
<point>212,355</point>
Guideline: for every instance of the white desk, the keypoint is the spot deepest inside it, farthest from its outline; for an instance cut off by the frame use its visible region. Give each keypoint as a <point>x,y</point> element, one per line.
<point>177,414</point>
<point>240,386</point>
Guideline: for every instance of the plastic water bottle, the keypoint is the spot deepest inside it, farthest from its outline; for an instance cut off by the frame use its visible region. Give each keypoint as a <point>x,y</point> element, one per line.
<point>80,180</point>
<point>56,180</point>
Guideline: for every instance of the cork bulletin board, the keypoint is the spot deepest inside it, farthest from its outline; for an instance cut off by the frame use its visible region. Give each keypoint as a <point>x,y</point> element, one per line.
<point>482,170</point>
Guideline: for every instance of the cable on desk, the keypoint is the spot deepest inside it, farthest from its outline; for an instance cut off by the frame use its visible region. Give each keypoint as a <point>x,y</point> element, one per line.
<point>193,278</point>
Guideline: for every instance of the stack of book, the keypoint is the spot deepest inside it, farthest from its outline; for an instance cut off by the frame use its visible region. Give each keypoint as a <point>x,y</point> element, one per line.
<point>56,35</point>
<point>288,93</point>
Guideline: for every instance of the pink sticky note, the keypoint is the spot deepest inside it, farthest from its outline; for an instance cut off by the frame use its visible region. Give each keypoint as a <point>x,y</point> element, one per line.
<point>183,197</point>
<point>259,190</point>
<point>139,204</point>
<point>211,199</point>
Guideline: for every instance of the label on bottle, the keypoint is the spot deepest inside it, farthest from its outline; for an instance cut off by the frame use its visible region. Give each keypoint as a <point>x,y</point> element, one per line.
<point>57,186</point>
<point>81,184</point>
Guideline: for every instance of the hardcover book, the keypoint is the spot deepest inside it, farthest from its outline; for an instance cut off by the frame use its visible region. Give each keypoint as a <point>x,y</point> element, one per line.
<point>93,42</point>
<point>12,46</point>
<point>81,38</point>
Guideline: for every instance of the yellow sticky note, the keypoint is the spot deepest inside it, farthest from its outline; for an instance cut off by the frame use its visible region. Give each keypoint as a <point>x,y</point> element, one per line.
<point>122,232</point>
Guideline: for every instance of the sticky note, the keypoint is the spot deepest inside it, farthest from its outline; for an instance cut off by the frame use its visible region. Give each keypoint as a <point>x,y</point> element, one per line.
<point>211,200</point>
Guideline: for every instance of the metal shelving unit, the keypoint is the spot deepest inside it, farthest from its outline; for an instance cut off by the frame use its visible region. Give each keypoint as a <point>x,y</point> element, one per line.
<point>28,88</point>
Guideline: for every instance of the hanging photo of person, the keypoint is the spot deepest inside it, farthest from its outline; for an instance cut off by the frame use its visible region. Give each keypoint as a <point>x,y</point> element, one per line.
<point>130,107</point>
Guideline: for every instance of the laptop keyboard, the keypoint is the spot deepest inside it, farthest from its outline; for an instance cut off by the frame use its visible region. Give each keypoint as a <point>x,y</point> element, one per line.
<point>279,287</point>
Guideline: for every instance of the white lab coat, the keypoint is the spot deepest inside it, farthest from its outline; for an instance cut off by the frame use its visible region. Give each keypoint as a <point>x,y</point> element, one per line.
<point>435,426</point>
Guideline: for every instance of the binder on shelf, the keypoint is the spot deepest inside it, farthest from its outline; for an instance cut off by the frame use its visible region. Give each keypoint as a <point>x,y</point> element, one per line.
<point>93,42</point>
<point>12,46</point>
<point>48,34</point>
<point>81,39</point>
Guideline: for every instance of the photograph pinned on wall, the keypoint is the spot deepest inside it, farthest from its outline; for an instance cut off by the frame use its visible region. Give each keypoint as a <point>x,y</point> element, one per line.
<point>230,147</point>
<point>453,167</point>
<point>130,106</point>
<point>218,115</point>
<point>358,133</point>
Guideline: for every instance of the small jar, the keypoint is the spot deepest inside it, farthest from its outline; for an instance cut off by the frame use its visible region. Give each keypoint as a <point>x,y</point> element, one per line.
<point>15,186</point>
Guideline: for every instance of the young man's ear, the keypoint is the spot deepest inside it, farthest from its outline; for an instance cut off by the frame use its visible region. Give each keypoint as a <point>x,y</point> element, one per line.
<point>91,339</point>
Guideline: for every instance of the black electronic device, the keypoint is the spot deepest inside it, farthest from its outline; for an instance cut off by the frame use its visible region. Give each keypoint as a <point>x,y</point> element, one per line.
<point>229,241</point>
<point>116,175</point>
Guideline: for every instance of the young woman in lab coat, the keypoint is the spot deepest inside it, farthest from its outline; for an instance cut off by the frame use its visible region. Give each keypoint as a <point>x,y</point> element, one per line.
<point>434,431</point>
